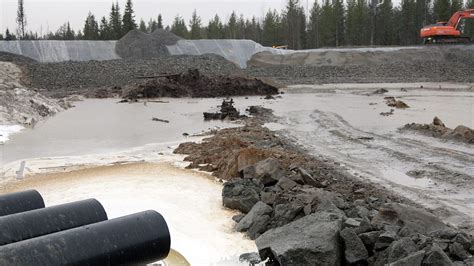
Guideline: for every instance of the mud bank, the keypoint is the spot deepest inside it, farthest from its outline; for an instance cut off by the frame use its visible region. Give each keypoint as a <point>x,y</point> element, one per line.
<point>179,195</point>
<point>281,189</point>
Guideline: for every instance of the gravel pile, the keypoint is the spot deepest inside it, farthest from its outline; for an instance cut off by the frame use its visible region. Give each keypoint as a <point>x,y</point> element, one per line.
<point>380,73</point>
<point>140,45</point>
<point>65,78</point>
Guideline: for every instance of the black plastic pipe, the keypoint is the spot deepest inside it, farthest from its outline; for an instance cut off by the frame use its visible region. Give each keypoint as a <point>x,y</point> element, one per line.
<point>134,239</point>
<point>20,202</point>
<point>25,225</point>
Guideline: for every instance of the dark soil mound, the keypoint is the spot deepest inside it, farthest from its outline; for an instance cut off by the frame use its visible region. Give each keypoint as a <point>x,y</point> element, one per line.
<point>140,45</point>
<point>437,129</point>
<point>193,84</point>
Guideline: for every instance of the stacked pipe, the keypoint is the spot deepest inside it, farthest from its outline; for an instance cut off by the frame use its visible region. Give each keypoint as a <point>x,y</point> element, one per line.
<point>77,233</point>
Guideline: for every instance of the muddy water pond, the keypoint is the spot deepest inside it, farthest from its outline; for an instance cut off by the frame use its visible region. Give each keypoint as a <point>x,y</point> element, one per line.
<point>100,126</point>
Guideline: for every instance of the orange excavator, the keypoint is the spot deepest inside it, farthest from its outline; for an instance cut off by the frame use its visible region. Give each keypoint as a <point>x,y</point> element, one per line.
<point>447,32</point>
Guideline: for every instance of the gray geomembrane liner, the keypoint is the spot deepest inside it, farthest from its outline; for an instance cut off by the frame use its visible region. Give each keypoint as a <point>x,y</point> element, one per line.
<point>57,51</point>
<point>236,51</point>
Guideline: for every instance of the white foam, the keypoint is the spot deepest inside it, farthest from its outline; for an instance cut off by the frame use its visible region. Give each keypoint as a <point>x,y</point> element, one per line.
<point>7,130</point>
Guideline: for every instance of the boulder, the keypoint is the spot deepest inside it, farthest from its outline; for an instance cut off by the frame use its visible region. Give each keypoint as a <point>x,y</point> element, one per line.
<point>307,177</point>
<point>413,259</point>
<point>268,197</point>
<point>438,122</point>
<point>385,239</point>
<point>417,220</point>
<point>401,248</point>
<point>351,223</point>
<point>364,226</point>
<point>238,217</point>
<point>286,184</point>
<point>457,251</point>
<point>285,213</point>
<point>269,171</point>
<point>251,258</point>
<point>311,240</point>
<point>370,238</point>
<point>354,249</point>
<point>241,194</point>
<point>437,257</point>
<point>256,220</point>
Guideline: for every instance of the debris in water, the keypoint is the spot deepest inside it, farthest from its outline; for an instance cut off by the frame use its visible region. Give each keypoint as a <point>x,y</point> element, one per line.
<point>160,120</point>
<point>387,113</point>
<point>392,102</point>
<point>227,111</point>
<point>193,84</point>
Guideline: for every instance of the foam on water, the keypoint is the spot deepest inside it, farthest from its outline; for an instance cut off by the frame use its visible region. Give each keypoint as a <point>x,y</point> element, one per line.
<point>7,130</point>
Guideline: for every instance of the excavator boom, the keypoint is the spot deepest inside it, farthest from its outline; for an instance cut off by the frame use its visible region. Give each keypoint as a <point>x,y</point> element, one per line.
<point>447,32</point>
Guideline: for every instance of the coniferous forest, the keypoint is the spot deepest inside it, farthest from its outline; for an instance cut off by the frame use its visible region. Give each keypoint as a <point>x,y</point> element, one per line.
<point>328,23</point>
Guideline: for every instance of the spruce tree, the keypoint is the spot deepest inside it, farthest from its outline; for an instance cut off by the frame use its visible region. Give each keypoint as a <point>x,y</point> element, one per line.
<point>91,28</point>
<point>128,20</point>
<point>179,27</point>
<point>215,28</point>
<point>9,36</point>
<point>104,29</point>
<point>442,10</point>
<point>21,20</point>
<point>152,25</point>
<point>160,22</point>
<point>272,29</point>
<point>339,12</point>
<point>313,27</point>
<point>384,30</point>
<point>231,27</point>
<point>195,26</point>
<point>327,29</point>
<point>1,37</point>
<point>142,26</point>
<point>115,20</point>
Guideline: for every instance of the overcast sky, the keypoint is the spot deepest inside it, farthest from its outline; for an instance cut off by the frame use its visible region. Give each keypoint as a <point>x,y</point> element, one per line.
<point>43,15</point>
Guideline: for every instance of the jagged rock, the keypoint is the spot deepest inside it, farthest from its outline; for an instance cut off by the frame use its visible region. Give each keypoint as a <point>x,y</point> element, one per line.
<point>285,213</point>
<point>355,251</point>
<point>462,239</point>
<point>251,258</point>
<point>444,233</point>
<point>286,184</point>
<point>385,239</point>
<point>438,122</point>
<point>269,171</point>
<point>257,210</point>
<point>370,238</point>
<point>311,240</point>
<point>238,217</point>
<point>413,259</point>
<point>351,223</point>
<point>364,226</point>
<point>240,194</point>
<point>307,177</point>
<point>457,251</point>
<point>437,257</point>
<point>416,219</point>
<point>248,172</point>
<point>401,248</point>
<point>268,197</point>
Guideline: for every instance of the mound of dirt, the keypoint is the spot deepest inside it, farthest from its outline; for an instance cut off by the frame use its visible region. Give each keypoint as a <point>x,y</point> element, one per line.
<point>26,107</point>
<point>193,84</point>
<point>439,130</point>
<point>85,78</point>
<point>139,45</point>
<point>392,102</point>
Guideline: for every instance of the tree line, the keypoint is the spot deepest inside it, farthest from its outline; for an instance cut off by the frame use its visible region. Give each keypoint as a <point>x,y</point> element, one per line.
<point>328,23</point>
